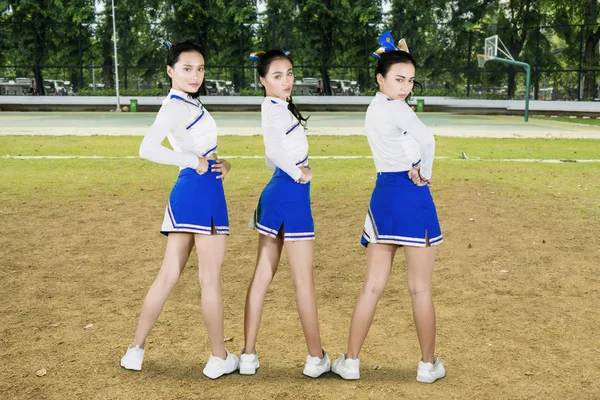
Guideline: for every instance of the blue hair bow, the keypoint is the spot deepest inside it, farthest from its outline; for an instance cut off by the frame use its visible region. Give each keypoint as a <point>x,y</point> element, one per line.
<point>258,54</point>
<point>167,44</point>
<point>387,44</point>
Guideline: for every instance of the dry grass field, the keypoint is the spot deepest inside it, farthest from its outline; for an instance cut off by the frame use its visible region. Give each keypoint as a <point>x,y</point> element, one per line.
<point>516,285</point>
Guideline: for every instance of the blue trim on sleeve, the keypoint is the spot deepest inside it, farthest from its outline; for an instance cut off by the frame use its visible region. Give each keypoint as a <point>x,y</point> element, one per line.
<point>210,151</point>
<point>302,162</point>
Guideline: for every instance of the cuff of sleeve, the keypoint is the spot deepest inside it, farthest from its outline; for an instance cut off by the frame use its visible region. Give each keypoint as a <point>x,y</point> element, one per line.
<point>416,163</point>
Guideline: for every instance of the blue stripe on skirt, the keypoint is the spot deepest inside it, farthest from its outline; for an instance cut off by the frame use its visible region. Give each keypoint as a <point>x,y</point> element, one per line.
<point>401,213</point>
<point>285,204</point>
<point>197,204</point>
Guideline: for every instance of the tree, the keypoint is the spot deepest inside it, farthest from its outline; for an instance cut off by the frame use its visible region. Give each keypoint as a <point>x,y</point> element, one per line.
<point>515,19</point>
<point>138,37</point>
<point>579,21</point>
<point>219,27</point>
<point>592,37</point>
<point>442,36</point>
<point>44,31</point>
<point>333,33</point>
<point>356,38</point>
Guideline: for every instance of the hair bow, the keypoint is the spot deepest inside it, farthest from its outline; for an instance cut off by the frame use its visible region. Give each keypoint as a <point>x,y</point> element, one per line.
<point>167,44</point>
<point>256,56</point>
<point>386,41</point>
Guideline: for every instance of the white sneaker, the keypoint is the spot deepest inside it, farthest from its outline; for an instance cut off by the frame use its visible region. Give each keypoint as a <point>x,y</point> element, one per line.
<point>347,368</point>
<point>316,366</point>
<point>430,372</point>
<point>248,363</point>
<point>133,358</point>
<point>216,367</point>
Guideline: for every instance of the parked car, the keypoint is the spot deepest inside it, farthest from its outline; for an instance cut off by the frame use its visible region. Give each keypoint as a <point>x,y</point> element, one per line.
<point>20,87</point>
<point>215,87</point>
<point>341,87</point>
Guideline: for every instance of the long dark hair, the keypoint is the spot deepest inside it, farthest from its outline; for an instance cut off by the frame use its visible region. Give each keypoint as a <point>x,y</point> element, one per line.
<point>173,56</point>
<point>264,63</point>
<point>390,58</point>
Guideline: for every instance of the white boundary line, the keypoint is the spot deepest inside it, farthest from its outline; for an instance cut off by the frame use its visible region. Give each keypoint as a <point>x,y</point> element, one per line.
<point>134,157</point>
<point>527,160</point>
<point>533,160</point>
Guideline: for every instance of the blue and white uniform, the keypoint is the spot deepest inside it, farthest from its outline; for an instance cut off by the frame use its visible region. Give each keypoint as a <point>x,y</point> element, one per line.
<point>284,204</point>
<point>197,202</point>
<point>400,212</point>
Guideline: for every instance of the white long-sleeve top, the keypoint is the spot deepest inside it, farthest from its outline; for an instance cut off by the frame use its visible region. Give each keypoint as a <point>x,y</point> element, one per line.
<point>398,138</point>
<point>191,130</point>
<point>286,146</point>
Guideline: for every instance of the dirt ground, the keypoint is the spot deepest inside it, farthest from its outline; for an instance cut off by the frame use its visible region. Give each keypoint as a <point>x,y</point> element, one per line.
<point>516,286</point>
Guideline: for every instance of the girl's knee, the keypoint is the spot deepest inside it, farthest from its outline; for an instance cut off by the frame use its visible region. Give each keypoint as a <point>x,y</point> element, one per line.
<point>303,283</point>
<point>167,279</point>
<point>264,274</point>
<point>302,276</point>
<point>416,288</point>
<point>262,281</point>
<point>210,282</point>
<point>374,287</point>
<point>209,277</point>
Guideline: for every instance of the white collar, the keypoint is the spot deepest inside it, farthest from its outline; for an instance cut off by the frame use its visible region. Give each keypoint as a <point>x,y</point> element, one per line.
<point>276,100</point>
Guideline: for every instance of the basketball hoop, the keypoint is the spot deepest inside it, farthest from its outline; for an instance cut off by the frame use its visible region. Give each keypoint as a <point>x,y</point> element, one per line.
<point>482,59</point>
<point>495,50</point>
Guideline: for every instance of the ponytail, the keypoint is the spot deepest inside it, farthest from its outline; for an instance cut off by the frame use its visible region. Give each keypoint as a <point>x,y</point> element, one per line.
<point>296,113</point>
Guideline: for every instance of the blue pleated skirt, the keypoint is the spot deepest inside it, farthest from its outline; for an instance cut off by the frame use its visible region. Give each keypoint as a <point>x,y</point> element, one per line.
<point>284,208</point>
<point>401,213</point>
<point>197,204</point>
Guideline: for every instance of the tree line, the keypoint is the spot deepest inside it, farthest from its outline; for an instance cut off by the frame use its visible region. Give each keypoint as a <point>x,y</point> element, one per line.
<point>332,37</point>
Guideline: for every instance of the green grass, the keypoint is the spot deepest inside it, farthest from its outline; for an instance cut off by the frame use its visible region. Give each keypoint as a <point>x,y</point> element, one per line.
<point>581,149</point>
<point>121,146</point>
<point>77,178</point>
<point>587,121</point>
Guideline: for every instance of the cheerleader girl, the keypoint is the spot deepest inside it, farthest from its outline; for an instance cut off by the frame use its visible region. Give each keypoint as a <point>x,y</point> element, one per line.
<point>283,216</point>
<point>401,213</point>
<point>196,213</point>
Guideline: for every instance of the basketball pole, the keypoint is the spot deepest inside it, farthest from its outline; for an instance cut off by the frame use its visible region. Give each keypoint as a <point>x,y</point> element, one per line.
<point>115,48</point>
<point>527,80</point>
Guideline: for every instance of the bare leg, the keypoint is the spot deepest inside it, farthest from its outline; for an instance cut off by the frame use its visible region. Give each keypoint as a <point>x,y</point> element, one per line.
<point>420,262</point>
<point>379,265</point>
<point>211,251</point>
<point>300,255</point>
<point>267,260</point>
<point>179,246</point>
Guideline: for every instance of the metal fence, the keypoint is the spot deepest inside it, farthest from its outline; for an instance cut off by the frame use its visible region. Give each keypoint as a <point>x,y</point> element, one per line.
<point>77,59</point>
